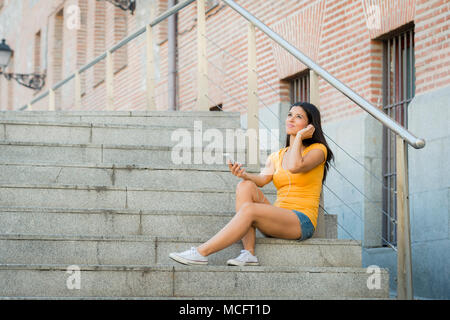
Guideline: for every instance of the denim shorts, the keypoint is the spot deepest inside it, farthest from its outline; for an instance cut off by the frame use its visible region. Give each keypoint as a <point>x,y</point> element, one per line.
<point>306,225</point>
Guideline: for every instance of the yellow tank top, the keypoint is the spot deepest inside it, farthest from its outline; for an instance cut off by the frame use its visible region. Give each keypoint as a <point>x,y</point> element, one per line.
<point>299,191</point>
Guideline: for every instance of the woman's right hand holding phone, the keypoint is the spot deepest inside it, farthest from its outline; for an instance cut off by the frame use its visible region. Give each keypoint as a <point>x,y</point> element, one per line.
<point>237,170</point>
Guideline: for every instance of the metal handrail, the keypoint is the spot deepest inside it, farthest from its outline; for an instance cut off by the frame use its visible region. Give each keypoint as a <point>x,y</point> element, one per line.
<point>115,47</point>
<point>411,139</point>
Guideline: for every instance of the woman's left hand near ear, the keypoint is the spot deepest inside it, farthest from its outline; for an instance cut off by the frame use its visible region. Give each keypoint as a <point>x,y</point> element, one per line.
<point>307,132</point>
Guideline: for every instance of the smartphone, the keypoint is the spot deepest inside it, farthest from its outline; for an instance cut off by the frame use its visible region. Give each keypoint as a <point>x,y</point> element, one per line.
<point>230,158</point>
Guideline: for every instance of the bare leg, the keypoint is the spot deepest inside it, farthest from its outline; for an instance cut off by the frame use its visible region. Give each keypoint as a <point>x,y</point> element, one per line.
<point>232,232</point>
<point>248,192</point>
<point>277,222</point>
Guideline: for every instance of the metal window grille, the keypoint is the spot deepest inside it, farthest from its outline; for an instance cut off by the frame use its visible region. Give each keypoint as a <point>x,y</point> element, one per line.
<point>300,88</point>
<point>398,91</point>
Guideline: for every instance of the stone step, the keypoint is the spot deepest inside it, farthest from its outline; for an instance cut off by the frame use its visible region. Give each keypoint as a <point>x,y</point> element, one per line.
<point>108,197</point>
<point>106,133</point>
<point>32,152</point>
<point>188,281</point>
<point>192,298</point>
<point>175,177</point>
<point>106,222</point>
<point>152,118</point>
<point>145,250</point>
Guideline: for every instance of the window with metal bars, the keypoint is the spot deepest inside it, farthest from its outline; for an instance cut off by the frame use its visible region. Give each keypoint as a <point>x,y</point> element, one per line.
<point>398,91</point>
<point>300,87</point>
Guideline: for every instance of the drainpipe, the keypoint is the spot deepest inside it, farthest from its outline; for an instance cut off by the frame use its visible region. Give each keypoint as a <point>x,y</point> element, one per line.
<point>172,58</point>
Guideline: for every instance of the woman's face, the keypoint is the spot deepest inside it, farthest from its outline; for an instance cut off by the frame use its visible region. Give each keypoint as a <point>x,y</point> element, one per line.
<point>296,120</point>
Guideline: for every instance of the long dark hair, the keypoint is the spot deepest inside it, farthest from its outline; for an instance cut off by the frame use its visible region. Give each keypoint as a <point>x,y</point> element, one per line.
<point>313,115</point>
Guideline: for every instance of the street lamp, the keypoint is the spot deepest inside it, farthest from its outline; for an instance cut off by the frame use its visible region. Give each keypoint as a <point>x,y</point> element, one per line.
<point>5,54</point>
<point>124,4</point>
<point>32,80</point>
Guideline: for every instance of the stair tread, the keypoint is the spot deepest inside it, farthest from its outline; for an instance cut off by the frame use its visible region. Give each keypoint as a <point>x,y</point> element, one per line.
<point>119,211</point>
<point>195,298</point>
<point>101,145</point>
<point>123,113</point>
<point>106,188</point>
<point>185,268</point>
<point>111,165</point>
<point>265,240</point>
<point>113,210</point>
<point>102,125</point>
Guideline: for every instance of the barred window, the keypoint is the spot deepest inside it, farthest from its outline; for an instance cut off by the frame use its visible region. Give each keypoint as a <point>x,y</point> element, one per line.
<point>300,87</point>
<point>398,91</point>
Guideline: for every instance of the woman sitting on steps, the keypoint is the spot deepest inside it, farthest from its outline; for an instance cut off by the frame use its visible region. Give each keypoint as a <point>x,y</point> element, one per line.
<point>298,172</point>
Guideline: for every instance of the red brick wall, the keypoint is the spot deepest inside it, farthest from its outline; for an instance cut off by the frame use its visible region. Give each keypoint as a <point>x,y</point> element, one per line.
<point>339,35</point>
<point>432,44</point>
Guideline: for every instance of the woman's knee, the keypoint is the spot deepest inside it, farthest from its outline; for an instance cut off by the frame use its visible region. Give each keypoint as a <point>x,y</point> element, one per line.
<point>245,185</point>
<point>248,211</point>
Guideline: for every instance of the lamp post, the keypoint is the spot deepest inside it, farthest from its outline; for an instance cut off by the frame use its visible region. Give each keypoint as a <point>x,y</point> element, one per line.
<point>31,80</point>
<point>5,54</point>
<point>124,4</point>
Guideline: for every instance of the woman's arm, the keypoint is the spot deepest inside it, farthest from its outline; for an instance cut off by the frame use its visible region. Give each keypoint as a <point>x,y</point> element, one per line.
<point>261,179</point>
<point>295,162</point>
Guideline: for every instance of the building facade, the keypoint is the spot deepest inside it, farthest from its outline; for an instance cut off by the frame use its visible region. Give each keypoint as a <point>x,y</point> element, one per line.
<point>394,53</point>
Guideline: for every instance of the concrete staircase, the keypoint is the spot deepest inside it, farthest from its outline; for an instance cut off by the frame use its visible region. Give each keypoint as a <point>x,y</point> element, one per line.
<point>98,190</point>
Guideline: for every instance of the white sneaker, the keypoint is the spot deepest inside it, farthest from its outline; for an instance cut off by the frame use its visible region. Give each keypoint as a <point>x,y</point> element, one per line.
<point>244,259</point>
<point>190,257</point>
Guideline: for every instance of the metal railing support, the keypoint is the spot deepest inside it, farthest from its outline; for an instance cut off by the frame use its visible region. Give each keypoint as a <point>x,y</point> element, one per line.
<point>109,81</point>
<point>151,104</point>
<point>77,91</point>
<point>252,109</point>
<point>51,100</point>
<point>404,261</point>
<point>202,67</point>
<point>314,94</point>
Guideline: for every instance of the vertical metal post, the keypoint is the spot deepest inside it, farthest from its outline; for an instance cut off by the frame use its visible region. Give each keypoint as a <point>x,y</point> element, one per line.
<point>109,82</point>
<point>51,100</point>
<point>151,105</point>
<point>202,70</point>
<point>314,88</point>
<point>314,99</point>
<point>385,158</point>
<point>405,83</point>
<point>77,91</point>
<point>404,261</point>
<point>308,89</point>
<point>252,111</point>
<point>172,58</point>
